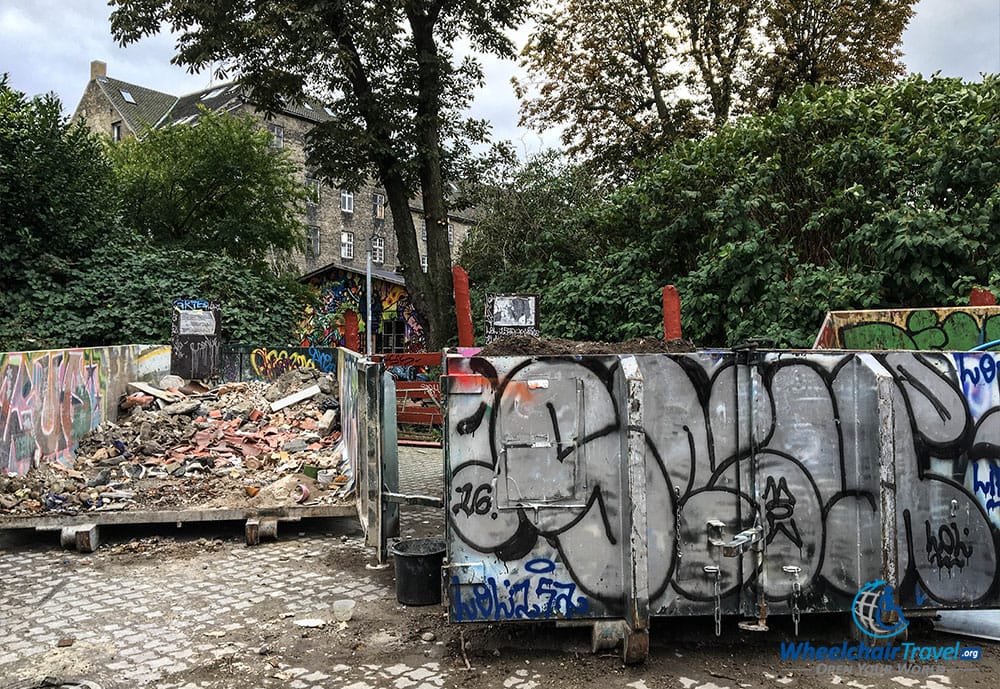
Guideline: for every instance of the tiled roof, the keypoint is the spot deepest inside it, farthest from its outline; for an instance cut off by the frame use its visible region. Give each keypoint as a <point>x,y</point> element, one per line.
<point>139,106</point>
<point>216,98</point>
<point>230,95</point>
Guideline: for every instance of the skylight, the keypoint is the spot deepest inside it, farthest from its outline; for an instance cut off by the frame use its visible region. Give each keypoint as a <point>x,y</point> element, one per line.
<point>214,94</point>
<point>307,106</point>
<point>127,96</point>
<point>328,111</point>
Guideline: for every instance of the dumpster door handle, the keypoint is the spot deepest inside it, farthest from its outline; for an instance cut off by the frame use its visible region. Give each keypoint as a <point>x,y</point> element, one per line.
<point>739,544</point>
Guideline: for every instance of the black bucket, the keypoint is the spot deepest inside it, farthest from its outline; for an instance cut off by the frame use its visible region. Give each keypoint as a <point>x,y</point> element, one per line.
<point>418,570</point>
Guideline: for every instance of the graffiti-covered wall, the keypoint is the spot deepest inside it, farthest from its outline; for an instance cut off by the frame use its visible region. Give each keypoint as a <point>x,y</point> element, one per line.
<point>564,474</point>
<point>338,292</point>
<point>248,362</point>
<point>942,329</point>
<point>49,399</point>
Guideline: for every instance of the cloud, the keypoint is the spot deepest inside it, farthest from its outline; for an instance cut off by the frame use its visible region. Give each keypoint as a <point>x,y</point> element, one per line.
<point>960,39</point>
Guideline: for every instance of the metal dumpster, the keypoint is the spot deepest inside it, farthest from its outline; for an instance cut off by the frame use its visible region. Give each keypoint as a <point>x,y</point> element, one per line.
<point>618,487</point>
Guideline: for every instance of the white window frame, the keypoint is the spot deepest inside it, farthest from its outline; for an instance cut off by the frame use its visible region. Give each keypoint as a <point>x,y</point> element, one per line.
<point>116,131</point>
<point>378,206</point>
<point>314,186</point>
<point>378,249</point>
<point>346,201</point>
<point>423,231</point>
<point>277,135</point>
<point>423,262</point>
<point>451,234</point>
<point>347,244</point>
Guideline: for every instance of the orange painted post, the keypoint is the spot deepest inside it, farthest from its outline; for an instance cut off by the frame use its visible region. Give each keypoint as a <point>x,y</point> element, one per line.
<point>352,340</point>
<point>982,297</point>
<point>671,313</point>
<point>463,307</point>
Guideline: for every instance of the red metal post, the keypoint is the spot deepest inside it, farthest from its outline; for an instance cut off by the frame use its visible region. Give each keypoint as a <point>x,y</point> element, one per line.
<point>982,297</point>
<point>463,307</point>
<point>352,340</point>
<point>671,313</point>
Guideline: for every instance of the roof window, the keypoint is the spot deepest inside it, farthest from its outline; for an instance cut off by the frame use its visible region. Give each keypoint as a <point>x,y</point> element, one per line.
<point>127,96</point>
<point>214,94</point>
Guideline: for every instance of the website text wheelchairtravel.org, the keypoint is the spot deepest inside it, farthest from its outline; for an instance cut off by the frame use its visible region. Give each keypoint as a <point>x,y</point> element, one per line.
<point>882,659</point>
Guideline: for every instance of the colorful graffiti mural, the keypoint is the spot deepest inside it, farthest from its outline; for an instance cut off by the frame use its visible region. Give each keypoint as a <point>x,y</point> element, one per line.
<point>49,399</point>
<point>941,329</point>
<point>819,459</point>
<point>244,362</point>
<point>339,292</point>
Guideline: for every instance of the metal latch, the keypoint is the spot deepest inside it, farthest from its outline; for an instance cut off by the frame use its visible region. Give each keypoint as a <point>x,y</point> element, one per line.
<point>739,544</point>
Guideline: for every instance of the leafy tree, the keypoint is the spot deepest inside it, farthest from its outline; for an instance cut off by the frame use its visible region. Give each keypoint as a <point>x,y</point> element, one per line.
<point>607,74</point>
<point>56,190</point>
<point>624,79</point>
<point>214,185</point>
<point>73,276</point>
<point>389,75</point>
<point>531,228</point>
<point>886,196</point>
<point>123,293</point>
<point>839,42</point>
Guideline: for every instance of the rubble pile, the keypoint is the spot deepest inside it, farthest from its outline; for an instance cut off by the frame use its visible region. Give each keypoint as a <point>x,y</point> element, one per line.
<point>239,445</point>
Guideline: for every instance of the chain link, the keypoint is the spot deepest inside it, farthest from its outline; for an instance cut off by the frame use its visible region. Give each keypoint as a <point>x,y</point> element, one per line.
<point>796,591</point>
<point>678,542</point>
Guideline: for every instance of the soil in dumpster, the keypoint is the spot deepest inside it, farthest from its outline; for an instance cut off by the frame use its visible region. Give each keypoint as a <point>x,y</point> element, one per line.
<point>525,345</point>
<point>221,448</point>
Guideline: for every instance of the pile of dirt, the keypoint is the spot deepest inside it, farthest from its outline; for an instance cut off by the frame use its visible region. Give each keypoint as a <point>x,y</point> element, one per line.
<point>525,345</point>
<point>238,445</point>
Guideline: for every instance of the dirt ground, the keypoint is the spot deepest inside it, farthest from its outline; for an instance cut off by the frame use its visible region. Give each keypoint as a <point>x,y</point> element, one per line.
<point>384,634</point>
<point>195,608</point>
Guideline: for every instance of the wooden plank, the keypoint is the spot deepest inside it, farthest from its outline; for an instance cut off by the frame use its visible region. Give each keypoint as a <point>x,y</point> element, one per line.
<point>164,395</point>
<point>299,396</point>
<point>285,513</point>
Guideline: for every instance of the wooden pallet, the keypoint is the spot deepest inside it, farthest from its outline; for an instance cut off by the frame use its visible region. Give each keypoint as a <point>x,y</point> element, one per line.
<point>82,530</point>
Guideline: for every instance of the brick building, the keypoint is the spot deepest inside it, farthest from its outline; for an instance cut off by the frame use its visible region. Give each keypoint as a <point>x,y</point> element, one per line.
<point>341,225</point>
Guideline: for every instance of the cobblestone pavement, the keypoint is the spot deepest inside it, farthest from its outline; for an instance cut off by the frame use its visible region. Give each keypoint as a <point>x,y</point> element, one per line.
<point>199,610</point>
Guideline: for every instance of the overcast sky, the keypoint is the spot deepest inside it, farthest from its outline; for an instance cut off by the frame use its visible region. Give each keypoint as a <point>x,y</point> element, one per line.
<point>47,45</point>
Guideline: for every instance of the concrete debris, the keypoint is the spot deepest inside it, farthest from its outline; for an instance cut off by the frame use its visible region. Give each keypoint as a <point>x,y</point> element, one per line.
<point>222,448</point>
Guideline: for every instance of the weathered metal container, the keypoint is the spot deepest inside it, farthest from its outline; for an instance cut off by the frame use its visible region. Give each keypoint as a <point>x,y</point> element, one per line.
<point>750,483</point>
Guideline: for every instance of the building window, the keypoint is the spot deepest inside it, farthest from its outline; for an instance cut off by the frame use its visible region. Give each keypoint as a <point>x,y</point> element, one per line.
<point>116,131</point>
<point>391,337</point>
<point>312,185</point>
<point>346,201</point>
<point>423,263</point>
<point>347,245</point>
<point>378,249</point>
<point>451,234</point>
<point>312,241</point>
<point>423,229</point>
<point>277,135</point>
<point>378,206</point>
<point>127,96</point>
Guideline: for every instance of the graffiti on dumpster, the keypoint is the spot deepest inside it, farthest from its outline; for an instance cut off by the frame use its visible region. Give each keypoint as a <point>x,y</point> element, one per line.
<point>554,427</point>
<point>536,596</point>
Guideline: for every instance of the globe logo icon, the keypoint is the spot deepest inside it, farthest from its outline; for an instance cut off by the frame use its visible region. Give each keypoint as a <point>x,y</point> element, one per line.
<point>875,611</point>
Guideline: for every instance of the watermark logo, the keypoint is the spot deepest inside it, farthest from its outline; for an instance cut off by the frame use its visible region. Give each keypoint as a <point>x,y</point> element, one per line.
<point>876,612</point>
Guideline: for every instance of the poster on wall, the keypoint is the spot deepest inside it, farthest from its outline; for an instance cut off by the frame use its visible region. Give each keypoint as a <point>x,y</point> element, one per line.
<point>195,339</point>
<point>511,314</point>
